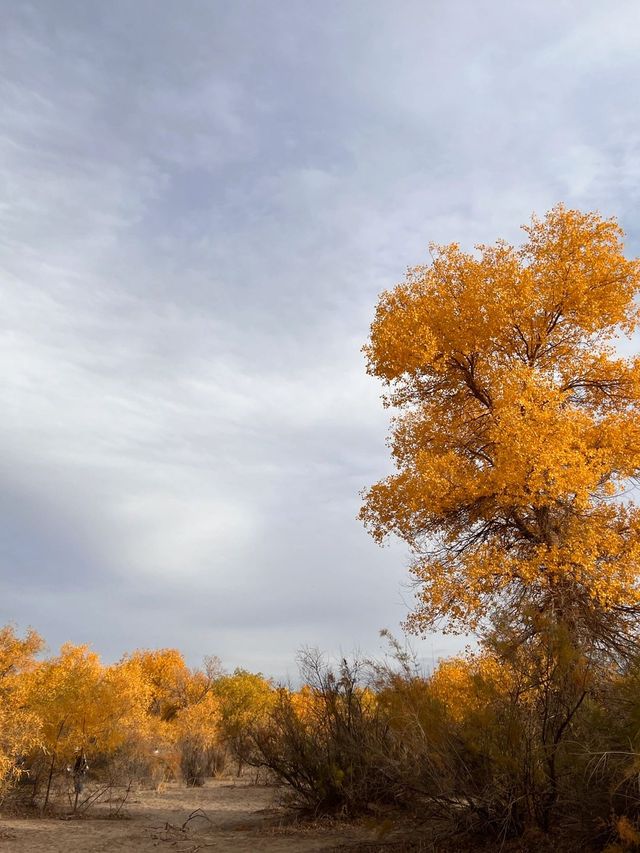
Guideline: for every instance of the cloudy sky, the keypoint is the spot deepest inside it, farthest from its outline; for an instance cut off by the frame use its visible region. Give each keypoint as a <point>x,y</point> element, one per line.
<point>199,203</point>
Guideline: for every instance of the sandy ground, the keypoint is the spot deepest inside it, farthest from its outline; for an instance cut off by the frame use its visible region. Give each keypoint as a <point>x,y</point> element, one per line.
<point>234,816</point>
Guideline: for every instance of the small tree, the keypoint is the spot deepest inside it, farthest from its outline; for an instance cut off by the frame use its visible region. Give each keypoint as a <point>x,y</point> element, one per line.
<point>245,698</point>
<point>85,709</point>
<point>182,708</point>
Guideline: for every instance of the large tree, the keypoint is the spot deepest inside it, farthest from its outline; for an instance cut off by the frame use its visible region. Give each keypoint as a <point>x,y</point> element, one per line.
<point>517,435</point>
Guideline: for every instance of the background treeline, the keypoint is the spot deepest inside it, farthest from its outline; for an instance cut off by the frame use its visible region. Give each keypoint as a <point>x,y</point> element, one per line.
<point>491,745</point>
<point>146,719</point>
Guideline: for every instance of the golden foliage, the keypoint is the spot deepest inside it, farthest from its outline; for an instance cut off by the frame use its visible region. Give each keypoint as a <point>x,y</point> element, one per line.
<point>245,698</point>
<point>518,424</point>
<point>147,713</point>
<point>20,727</point>
<point>85,707</point>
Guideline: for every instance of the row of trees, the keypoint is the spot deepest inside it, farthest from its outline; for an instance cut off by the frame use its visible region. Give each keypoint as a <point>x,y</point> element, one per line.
<point>488,744</point>
<point>146,718</point>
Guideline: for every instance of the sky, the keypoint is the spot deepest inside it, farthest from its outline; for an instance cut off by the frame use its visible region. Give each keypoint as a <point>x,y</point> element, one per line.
<point>200,202</point>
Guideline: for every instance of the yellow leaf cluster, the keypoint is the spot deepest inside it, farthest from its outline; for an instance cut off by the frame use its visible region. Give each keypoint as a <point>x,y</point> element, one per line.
<point>20,727</point>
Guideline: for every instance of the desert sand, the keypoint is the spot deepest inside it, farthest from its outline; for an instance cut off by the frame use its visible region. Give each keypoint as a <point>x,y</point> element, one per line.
<point>225,816</point>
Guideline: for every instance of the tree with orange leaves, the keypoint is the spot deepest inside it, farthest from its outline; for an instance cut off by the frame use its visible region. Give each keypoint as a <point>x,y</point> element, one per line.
<point>20,727</point>
<point>518,430</point>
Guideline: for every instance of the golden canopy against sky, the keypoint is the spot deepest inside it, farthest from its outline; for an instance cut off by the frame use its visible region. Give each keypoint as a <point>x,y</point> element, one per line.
<point>201,204</point>
<point>518,423</point>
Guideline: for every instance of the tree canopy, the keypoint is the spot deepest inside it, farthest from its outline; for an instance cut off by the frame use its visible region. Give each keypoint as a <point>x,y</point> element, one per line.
<point>517,432</point>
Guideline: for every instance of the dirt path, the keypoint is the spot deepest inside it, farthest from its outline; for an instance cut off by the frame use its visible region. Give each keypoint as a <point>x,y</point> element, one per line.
<point>236,817</point>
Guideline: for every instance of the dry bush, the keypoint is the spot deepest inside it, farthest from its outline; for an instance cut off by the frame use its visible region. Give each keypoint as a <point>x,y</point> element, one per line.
<point>329,743</point>
<point>498,746</point>
<point>199,760</point>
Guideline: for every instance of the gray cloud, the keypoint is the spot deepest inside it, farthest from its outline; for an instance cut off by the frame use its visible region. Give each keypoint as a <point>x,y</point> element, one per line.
<point>200,203</point>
